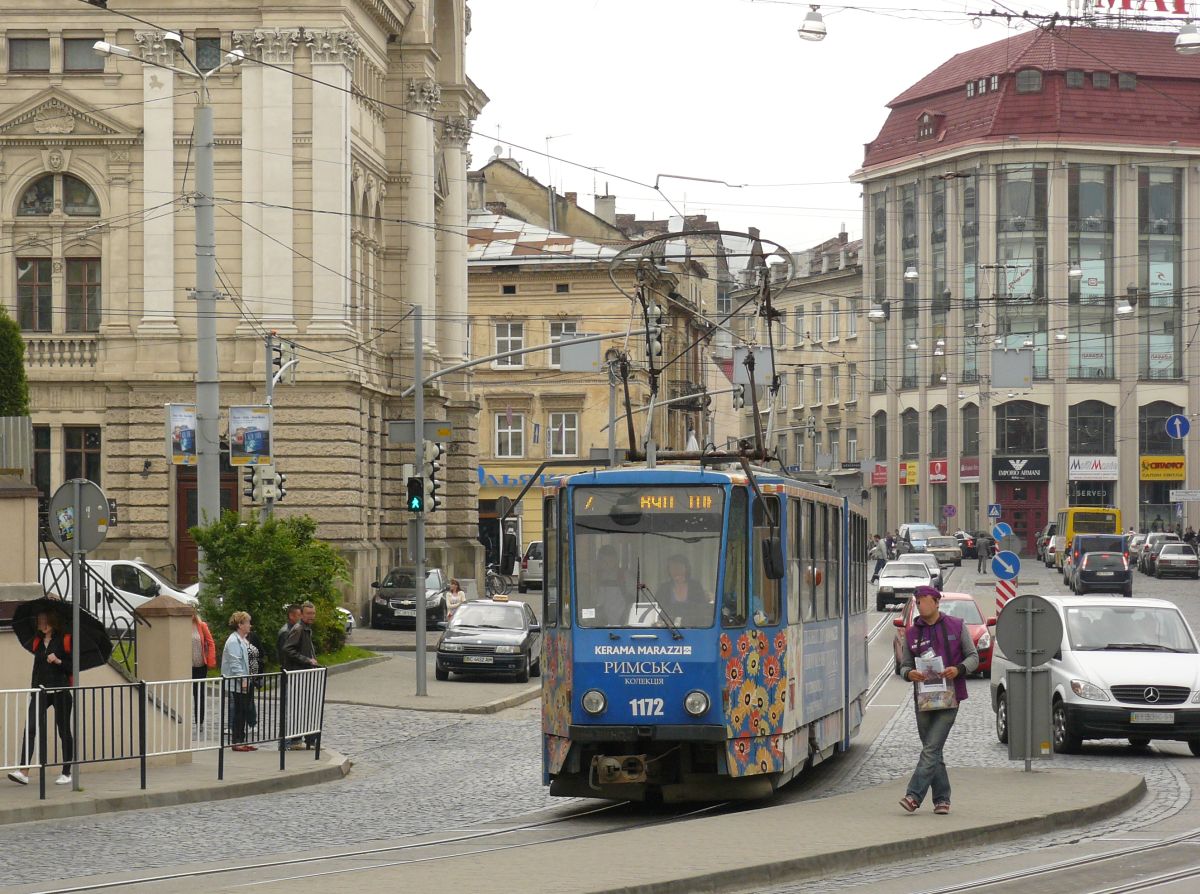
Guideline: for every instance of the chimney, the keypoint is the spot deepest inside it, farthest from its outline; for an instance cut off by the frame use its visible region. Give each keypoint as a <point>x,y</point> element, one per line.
<point>824,262</point>
<point>500,208</point>
<point>572,198</point>
<point>606,209</point>
<point>843,237</point>
<point>842,257</point>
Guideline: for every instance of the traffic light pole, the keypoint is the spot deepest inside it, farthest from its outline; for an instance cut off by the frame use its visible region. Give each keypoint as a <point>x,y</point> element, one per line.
<point>419,463</point>
<point>269,365</point>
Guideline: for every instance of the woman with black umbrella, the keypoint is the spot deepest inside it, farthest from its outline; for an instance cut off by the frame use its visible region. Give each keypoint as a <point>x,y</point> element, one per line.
<point>51,650</point>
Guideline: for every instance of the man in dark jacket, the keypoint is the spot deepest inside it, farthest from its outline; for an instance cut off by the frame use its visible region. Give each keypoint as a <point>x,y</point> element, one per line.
<point>298,654</point>
<point>933,636</point>
<point>293,618</point>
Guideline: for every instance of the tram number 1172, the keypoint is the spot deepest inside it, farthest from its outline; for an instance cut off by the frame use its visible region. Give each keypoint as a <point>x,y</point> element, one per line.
<point>646,707</point>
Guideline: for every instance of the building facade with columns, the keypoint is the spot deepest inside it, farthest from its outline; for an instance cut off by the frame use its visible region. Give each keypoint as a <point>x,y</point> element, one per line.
<point>340,204</point>
<point>1031,262</point>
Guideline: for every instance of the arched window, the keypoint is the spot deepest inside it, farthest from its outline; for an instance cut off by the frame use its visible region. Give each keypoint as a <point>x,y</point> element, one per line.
<point>1152,429</point>
<point>879,431</point>
<point>1029,80</point>
<point>969,416</point>
<point>1091,429</point>
<point>910,433</point>
<point>1020,427</point>
<point>77,197</point>
<point>937,432</point>
<point>38,198</point>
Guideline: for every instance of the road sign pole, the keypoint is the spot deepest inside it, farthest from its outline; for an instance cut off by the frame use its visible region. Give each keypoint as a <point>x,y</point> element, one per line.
<point>76,590</point>
<point>1028,699</point>
<point>269,362</point>
<point>419,463</point>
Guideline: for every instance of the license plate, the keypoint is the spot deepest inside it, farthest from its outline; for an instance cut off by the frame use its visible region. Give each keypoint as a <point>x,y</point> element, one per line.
<point>477,659</point>
<point>1152,717</point>
<point>1104,573</point>
<point>406,612</point>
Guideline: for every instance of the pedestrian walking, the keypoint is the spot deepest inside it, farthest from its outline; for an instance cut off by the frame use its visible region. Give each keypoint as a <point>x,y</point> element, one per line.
<point>890,542</point>
<point>293,618</point>
<point>51,649</point>
<point>204,657</point>
<point>878,552</point>
<point>941,646</point>
<point>298,654</point>
<point>235,666</point>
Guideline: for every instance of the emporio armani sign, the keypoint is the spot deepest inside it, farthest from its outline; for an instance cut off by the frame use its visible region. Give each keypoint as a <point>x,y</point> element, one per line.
<point>1023,468</point>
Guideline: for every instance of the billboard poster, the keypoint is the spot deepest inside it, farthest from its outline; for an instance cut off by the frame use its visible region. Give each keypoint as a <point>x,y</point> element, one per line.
<point>181,434</point>
<point>879,475</point>
<point>1093,287</point>
<point>937,471</point>
<point>1092,468</point>
<point>1162,468</point>
<point>908,473</point>
<point>1162,283</point>
<point>250,436</point>
<point>968,469</point>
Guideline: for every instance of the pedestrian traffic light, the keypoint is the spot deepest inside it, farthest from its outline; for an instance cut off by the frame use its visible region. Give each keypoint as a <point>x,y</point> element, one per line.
<point>739,396</point>
<point>416,494</point>
<point>433,467</point>
<point>654,330</point>
<point>280,490</point>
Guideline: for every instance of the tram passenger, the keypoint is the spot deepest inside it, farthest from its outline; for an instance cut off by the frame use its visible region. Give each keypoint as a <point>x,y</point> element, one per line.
<point>682,597</point>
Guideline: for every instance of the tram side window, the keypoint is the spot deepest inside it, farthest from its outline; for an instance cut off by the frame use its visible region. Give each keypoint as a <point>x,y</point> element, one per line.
<point>833,576</point>
<point>860,559</point>
<point>809,560</point>
<point>550,566</point>
<point>766,591</point>
<point>820,544</point>
<point>795,578</point>
<point>733,596</point>
<point>564,576</point>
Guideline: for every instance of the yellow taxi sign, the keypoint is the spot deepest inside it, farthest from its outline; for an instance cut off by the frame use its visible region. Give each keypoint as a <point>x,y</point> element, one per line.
<point>499,597</point>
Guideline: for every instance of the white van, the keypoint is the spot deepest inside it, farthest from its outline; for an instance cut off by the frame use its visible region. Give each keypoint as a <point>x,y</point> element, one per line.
<point>136,582</point>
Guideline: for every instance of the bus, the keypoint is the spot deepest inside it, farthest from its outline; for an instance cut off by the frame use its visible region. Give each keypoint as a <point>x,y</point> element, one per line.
<point>1083,520</point>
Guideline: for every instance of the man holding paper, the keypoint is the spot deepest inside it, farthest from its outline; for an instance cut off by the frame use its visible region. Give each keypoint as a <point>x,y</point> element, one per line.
<point>937,653</point>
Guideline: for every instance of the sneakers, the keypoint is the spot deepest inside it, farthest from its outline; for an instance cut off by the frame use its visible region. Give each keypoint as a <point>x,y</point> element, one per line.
<point>18,777</point>
<point>64,779</point>
<point>941,808</point>
<point>910,804</point>
<point>245,748</point>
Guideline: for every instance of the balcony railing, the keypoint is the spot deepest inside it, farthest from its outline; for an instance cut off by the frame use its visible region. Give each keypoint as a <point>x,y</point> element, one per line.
<point>688,397</point>
<point>60,351</point>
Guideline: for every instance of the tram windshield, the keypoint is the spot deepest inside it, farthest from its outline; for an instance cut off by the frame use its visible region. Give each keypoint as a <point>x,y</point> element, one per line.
<point>644,551</point>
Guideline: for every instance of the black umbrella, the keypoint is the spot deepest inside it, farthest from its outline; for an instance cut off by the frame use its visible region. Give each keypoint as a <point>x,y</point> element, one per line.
<point>93,643</point>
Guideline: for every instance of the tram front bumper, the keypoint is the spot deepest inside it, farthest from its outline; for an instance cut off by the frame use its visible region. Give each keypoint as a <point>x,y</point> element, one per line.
<point>700,732</point>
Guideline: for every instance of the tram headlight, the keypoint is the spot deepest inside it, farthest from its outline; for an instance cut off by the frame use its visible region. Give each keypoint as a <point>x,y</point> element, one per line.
<point>696,703</point>
<point>594,701</point>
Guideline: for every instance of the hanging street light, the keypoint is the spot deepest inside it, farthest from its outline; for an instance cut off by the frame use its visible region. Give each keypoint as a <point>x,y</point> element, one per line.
<point>813,26</point>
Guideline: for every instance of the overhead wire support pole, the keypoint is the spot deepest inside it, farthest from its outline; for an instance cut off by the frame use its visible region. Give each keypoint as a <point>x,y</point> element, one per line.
<point>419,522</point>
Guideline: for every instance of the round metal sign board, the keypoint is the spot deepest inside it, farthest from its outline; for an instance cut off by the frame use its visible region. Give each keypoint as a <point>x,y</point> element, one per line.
<point>503,504</point>
<point>1013,630</point>
<point>78,528</point>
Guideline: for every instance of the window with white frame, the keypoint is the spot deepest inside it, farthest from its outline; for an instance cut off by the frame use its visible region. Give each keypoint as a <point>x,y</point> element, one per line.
<point>835,321</point>
<point>510,337</point>
<point>783,395</point>
<point>798,443</point>
<point>799,388</point>
<point>510,434</point>
<point>852,317</point>
<point>564,434</point>
<point>835,384</point>
<point>798,318</point>
<point>852,383</point>
<point>816,322</point>
<point>852,445</point>
<point>559,330</point>
<point>816,385</point>
<point>835,444</point>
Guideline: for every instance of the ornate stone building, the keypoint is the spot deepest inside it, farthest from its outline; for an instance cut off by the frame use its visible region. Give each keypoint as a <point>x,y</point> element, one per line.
<point>340,204</point>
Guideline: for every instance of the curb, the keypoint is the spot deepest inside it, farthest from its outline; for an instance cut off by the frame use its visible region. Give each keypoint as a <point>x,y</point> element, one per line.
<point>771,874</point>
<point>355,664</point>
<point>500,704</point>
<point>400,647</point>
<point>338,767</point>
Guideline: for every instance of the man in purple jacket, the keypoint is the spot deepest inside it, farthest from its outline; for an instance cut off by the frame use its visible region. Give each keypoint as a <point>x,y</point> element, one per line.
<point>931,635</point>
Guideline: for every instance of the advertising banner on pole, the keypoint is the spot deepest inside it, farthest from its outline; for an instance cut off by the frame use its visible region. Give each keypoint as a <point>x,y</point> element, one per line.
<point>181,434</point>
<point>250,436</point>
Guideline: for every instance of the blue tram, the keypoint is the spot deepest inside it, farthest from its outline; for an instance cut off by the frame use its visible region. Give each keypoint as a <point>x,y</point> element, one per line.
<point>704,631</point>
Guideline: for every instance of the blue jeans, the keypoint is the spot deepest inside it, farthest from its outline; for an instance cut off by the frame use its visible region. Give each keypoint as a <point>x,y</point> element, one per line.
<point>934,728</point>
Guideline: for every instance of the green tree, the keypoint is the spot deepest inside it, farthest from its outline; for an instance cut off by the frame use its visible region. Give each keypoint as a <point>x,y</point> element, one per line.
<point>259,567</point>
<point>14,390</point>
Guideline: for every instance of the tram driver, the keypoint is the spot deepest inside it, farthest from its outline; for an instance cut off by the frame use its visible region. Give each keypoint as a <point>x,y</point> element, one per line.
<point>682,597</point>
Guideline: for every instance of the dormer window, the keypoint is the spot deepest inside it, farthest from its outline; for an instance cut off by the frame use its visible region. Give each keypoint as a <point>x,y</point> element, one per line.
<point>981,86</point>
<point>1074,78</point>
<point>1126,81</point>
<point>1029,80</point>
<point>995,83</point>
<point>926,126</point>
<point>1100,80</point>
<point>970,89</point>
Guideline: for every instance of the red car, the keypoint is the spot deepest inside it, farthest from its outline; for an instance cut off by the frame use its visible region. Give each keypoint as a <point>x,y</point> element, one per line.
<point>957,605</point>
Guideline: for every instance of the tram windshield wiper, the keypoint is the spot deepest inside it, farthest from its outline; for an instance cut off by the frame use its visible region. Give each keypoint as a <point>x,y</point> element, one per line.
<point>662,613</point>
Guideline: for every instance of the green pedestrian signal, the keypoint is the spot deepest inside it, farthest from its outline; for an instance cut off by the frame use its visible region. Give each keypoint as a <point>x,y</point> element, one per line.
<point>416,494</point>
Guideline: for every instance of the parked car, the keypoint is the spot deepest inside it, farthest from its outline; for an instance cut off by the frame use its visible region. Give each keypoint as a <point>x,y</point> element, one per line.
<point>1151,541</point>
<point>945,549</point>
<point>1155,550</point>
<point>1135,545</point>
<point>1125,669</point>
<point>1091,543</point>
<point>1044,538</point>
<point>1103,573</point>
<point>957,605</point>
<point>932,563</point>
<point>395,600</point>
<point>968,543</point>
<point>1176,559</point>
<point>897,581</point>
<point>1049,553</point>
<point>135,581</point>
<point>911,538</point>
<point>530,574</point>
<point>491,636</point>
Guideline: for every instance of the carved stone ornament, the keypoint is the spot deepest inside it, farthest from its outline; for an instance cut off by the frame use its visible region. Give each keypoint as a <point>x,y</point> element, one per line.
<point>119,156</point>
<point>55,160</point>
<point>154,49</point>
<point>275,46</point>
<point>424,92</point>
<point>329,46</point>
<point>456,131</point>
<point>54,117</point>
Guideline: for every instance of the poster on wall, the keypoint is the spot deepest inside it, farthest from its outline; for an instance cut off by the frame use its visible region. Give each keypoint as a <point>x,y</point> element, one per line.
<point>1093,287</point>
<point>250,436</point>
<point>1162,283</point>
<point>181,434</point>
<point>1162,356</point>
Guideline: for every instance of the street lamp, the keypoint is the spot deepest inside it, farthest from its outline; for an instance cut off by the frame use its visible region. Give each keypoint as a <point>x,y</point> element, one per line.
<point>813,26</point>
<point>1187,42</point>
<point>881,312</point>
<point>208,396</point>
<point>911,274</point>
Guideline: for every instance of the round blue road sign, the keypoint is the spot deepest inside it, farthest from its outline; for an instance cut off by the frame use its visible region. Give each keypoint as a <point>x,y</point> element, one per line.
<point>1006,565</point>
<point>1178,426</point>
<point>1000,530</point>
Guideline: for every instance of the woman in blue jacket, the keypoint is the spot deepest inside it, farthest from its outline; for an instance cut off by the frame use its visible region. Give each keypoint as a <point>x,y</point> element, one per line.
<point>235,663</point>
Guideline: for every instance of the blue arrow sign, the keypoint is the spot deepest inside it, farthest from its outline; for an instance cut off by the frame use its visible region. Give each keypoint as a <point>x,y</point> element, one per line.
<point>993,510</point>
<point>1006,565</point>
<point>1178,426</point>
<point>1000,530</point>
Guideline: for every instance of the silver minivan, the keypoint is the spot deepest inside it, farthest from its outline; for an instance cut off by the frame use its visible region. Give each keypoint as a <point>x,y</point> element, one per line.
<point>530,574</point>
<point>1125,669</point>
<point>135,581</point>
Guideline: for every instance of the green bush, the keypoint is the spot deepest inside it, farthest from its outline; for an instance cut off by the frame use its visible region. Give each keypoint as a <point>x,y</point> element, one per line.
<point>259,567</point>
<point>14,390</point>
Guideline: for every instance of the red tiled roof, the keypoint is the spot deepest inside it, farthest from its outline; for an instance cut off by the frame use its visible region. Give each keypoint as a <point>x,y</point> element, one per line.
<point>1164,106</point>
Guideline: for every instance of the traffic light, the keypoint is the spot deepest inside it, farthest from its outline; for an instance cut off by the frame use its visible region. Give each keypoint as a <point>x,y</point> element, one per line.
<point>250,478</point>
<point>416,495</point>
<point>739,396</point>
<point>276,347</point>
<point>654,330</point>
<point>433,466</point>
<point>280,490</point>
<point>264,484</point>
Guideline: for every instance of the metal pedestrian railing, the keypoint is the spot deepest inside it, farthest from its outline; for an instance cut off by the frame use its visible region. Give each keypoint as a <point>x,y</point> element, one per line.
<point>137,721</point>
